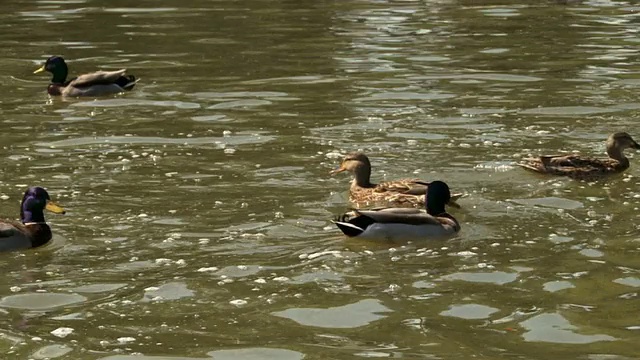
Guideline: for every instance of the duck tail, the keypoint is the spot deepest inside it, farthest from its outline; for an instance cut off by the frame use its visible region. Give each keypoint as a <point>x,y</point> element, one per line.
<point>348,229</point>
<point>454,199</point>
<point>127,82</point>
<point>533,167</point>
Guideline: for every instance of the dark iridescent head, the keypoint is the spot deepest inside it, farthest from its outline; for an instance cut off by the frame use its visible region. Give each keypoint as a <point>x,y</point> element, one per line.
<point>56,66</point>
<point>438,195</point>
<point>34,202</point>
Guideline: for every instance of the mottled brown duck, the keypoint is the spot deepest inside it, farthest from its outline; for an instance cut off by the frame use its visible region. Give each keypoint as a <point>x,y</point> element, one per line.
<point>398,193</point>
<point>586,168</point>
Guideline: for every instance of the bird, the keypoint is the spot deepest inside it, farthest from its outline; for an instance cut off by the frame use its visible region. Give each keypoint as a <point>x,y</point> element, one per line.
<point>398,224</point>
<point>31,231</point>
<point>98,83</point>
<point>399,193</point>
<point>586,168</point>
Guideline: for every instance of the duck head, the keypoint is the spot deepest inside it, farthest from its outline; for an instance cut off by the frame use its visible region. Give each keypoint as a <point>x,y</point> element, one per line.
<point>34,202</point>
<point>438,195</point>
<point>358,164</point>
<point>57,67</point>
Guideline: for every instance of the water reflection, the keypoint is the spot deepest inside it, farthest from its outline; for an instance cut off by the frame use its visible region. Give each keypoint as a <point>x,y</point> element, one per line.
<point>353,315</point>
<point>248,353</point>
<point>40,301</point>
<point>469,311</point>
<point>556,329</point>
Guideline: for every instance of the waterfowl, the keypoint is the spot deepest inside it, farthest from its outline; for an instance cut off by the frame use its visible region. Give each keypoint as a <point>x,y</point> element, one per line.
<point>400,193</point>
<point>393,224</point>
<point>586,168</point>
<point>32,230</point>
<point>98,83</point>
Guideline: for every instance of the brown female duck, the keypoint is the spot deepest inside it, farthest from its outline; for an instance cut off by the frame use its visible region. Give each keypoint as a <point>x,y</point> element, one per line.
<point>32,230</point>
<point>586,168</point>
<point>398,193</point>
<point>99,83</point>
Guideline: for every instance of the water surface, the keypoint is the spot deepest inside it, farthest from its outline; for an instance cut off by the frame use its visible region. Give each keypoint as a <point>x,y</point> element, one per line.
<point>199,205</point>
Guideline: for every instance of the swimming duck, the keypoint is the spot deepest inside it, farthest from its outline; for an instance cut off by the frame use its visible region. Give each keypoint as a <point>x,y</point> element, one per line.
<point>98,83</point>
<point>393,224</point>
<point>586,168</point>
<point>31,231</point>
<point>401,193</point>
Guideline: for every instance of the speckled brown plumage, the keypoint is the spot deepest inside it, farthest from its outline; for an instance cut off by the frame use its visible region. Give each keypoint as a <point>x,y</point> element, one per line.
<point>586,168</point>
<point>396,193</point>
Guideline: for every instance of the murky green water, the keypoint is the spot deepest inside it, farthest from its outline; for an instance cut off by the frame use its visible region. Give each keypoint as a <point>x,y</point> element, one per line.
<point>199,204</point>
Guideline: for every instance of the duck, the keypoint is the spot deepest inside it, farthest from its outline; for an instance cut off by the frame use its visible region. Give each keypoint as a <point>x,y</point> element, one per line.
<point>99,83</point>
<point>580,167</point>
<point>401,224</point>
<point>31,231</point>
<point>397,193</point>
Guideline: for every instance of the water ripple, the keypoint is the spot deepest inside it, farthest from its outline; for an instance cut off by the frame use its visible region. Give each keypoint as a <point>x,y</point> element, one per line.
<point>231,140</point>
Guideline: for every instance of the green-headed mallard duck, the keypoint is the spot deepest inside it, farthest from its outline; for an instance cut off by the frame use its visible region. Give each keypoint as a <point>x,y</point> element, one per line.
<point>402,192</point>
<point>98,83</point>
<point>31,231</point>
<point>586,168</point>
<point>395,224</point>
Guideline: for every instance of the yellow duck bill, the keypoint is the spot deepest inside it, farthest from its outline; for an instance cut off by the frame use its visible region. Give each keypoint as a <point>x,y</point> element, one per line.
<point>54,208</point>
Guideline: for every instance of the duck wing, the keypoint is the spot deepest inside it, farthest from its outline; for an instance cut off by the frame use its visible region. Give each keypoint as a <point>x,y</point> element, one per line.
<point>415,187</point>
<point>10,228</point>
<point>572,161</point>
<point>569,164</point>
<point>400,216</point>
<point>404,186</point>
<point>99,83</point>
<point>98,78</point>
<point>13,236</point>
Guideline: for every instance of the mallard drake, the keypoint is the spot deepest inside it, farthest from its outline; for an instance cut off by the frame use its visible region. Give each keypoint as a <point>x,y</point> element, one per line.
<point>393,224</point>
<point>31,231</point>
<point>586,168</point>
<point>401,193</point>
<point>98,83</point>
